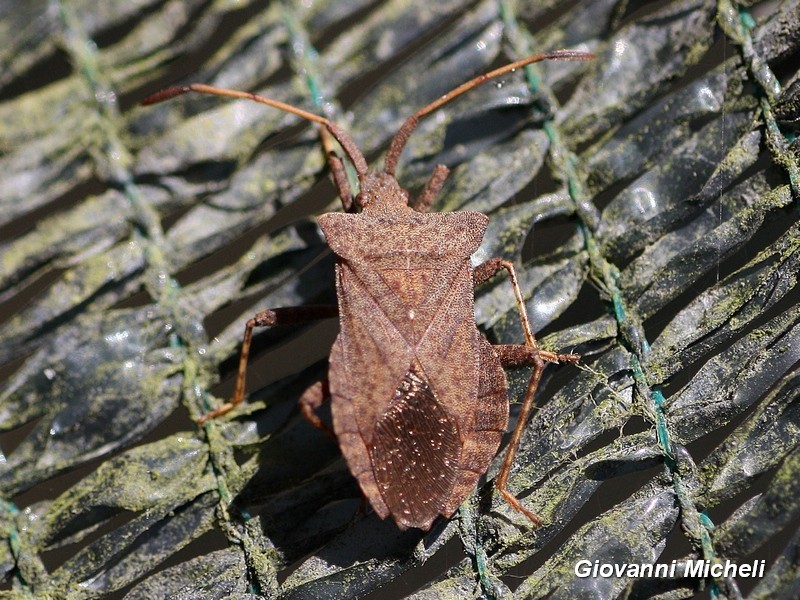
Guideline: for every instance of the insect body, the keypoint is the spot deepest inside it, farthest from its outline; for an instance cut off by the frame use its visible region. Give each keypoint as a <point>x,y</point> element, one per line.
<point>419,395</point>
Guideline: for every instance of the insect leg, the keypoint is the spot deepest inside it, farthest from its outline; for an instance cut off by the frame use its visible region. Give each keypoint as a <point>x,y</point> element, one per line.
<point>509,355</point>
<point>338,170</point>
<point>267,318</point>
<point>518,354</point>
<point>485,271</point>
<point>432,189</point>
<point>311,400</point>
<point>340,179</point>
<point>514,355</point>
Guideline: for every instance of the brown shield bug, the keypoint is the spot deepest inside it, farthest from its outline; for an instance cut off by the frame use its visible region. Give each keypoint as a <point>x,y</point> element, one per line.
<point>419,397</point>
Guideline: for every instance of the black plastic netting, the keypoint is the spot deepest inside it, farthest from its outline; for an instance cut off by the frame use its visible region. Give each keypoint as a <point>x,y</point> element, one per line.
<point>649,199</point>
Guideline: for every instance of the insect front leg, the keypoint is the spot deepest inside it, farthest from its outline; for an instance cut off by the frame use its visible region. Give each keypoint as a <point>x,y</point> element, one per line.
<point>432,189</point>
<point>517,355</point>
<point>485,271</point>
<point>267,318</point>
<point>339,173</point>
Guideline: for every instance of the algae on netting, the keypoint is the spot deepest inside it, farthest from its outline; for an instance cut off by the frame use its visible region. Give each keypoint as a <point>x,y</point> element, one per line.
<point>634,531</point>
<point>730,382</point>
<point>95,387</point>
<point>756,445</point>
<point>678,158</point>
<point>218,574</point>
<point>720,311</point>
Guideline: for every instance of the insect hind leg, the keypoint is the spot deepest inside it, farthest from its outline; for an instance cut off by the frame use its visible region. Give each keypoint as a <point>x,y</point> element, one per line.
<point>516,355</point>
<point>432,189</point>
<point>511,355</point>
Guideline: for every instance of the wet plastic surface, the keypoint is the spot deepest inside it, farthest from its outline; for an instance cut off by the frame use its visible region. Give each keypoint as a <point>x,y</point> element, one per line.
<point>674,169</point>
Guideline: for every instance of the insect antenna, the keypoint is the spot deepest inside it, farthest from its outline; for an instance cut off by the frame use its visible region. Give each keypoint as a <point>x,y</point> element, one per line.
<point>401,137</point>
<point>344,139</point>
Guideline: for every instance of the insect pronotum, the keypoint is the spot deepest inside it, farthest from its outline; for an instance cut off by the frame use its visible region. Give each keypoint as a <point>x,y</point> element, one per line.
<point>419,398</point>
